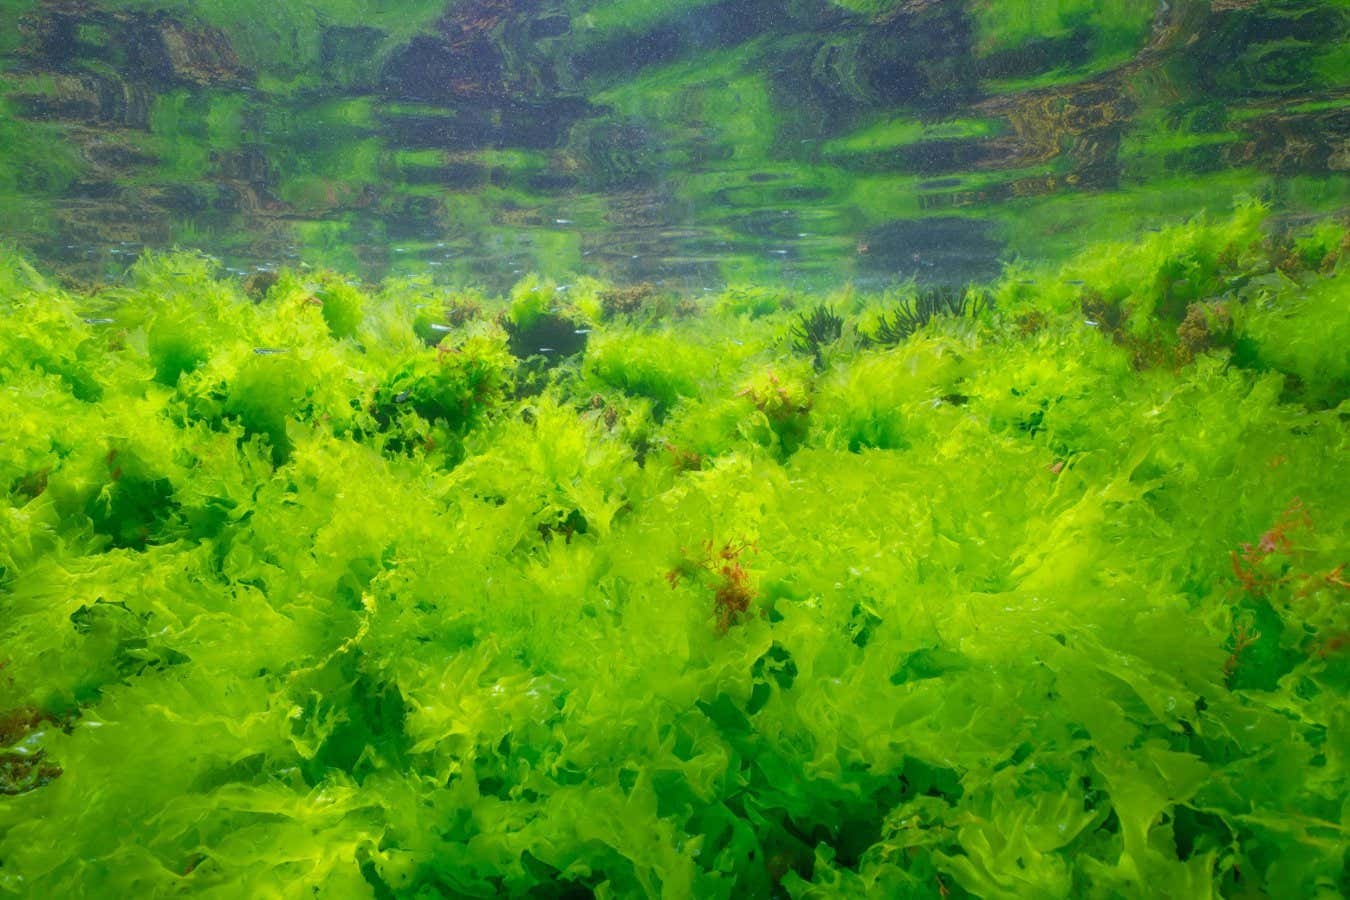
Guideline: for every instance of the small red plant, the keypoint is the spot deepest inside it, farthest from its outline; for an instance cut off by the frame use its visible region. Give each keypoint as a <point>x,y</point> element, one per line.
<point>115,472</point>
<point>775,401</point>
<point>35,483</point>
<point>1277,568</point>
<point>1243,637</point>
<point>684,460</point>
<point>1333,644</point>
<point>1252,567</point>
<point>21,773</point>
<point>733,591</point>
<point>1333,579</point>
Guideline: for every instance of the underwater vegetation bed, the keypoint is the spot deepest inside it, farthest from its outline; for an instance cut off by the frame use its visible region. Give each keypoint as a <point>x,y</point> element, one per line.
<point>1031,590</point>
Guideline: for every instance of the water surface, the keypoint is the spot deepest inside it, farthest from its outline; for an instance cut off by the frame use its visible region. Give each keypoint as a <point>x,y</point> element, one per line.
<point>691,143</point>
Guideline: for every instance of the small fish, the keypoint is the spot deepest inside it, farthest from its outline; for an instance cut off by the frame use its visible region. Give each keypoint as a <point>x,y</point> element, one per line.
<point>270,351</point>
<point>1026,281</point>
<point>1090,323</point>
<point>99,321</point>
<point>583,330</point>
<point>1075,282</point>
<point>562,221</point>
<point>547,350</point>
<point>780,252</point>
<point>438,327</point>
<point>403,397</point>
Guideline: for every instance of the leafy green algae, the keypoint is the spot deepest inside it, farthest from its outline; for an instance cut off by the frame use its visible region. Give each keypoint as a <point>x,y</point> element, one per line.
<point>320,590</point>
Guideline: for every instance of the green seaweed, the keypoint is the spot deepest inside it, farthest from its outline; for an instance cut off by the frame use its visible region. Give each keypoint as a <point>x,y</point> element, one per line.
<point>302,595</point>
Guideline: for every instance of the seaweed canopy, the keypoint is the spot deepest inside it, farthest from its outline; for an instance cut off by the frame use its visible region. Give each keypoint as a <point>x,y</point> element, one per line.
<point>995,613</point>
<point>913,313</point>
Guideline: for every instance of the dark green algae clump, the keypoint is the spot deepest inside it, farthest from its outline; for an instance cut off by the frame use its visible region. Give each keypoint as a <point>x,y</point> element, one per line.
<point>325,591</point>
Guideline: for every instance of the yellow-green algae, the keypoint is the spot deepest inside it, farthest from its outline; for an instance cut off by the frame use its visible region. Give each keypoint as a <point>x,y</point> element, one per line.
<point>311,589</point>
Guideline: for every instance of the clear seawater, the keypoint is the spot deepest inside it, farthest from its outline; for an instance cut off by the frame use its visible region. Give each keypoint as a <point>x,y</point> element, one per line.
<point>705,449</point>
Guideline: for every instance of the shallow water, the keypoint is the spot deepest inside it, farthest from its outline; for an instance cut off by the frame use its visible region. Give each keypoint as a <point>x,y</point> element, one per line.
<point>689,143</point>
<point>775,579</point>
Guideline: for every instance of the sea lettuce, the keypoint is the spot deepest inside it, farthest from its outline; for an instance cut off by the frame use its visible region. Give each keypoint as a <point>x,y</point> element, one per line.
<point>299,594</point>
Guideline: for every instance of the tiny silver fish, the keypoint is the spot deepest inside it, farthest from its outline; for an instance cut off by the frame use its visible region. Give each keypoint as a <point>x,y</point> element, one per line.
<point>403,397</point>
<point>99,321</point>
<point>270,351</point>
<point>443,329</point>
<point>546,350</point>
<point>583,331</point>
<point>1075,282</point>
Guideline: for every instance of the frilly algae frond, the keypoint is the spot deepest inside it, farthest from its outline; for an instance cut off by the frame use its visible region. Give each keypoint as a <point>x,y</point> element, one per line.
<point>305,596</point>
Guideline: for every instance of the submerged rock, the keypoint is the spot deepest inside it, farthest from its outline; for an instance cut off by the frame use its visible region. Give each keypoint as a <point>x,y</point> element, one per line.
<point>154,47</point>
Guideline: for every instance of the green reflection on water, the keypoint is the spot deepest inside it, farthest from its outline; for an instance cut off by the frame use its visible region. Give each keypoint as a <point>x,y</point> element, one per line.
<point>689,142</point>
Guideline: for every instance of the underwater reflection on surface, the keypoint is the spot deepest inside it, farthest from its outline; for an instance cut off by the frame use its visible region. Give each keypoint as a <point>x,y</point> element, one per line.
<point>686,144</point>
